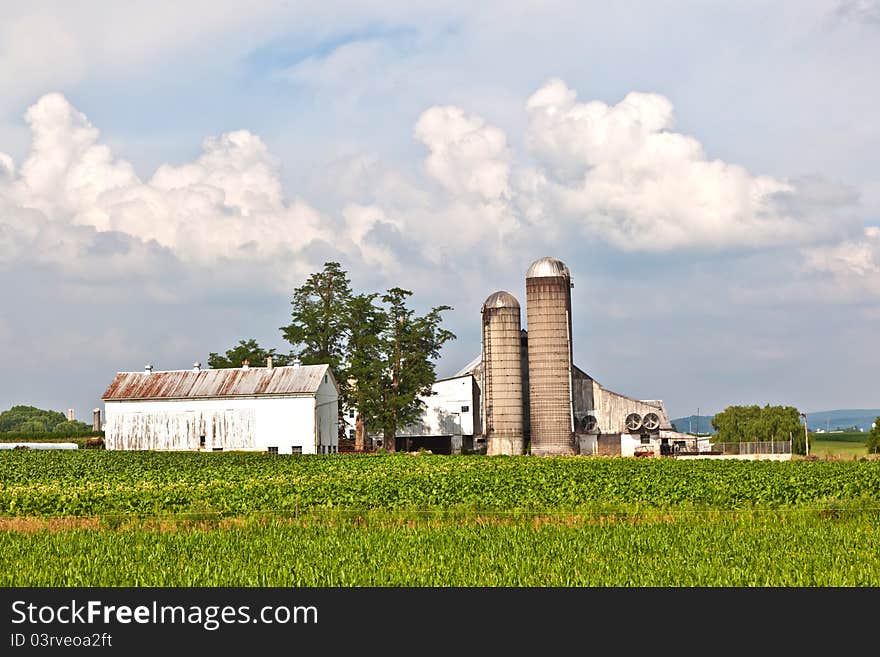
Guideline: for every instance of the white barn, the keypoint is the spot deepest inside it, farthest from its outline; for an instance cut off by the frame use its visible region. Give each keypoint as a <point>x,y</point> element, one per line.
<point>450,418</point>
<point>288,410</point>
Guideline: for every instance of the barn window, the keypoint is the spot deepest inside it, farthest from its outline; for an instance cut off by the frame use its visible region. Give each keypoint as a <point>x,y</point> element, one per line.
<point>296,449</point>
<point>216,449</point>
<point>646,439</point>
<point>201,441</point>
<point>351,434</point>
<point>465,409</point>
<point>351,412</point>
<point>325,378</point>
<point>272,450</point>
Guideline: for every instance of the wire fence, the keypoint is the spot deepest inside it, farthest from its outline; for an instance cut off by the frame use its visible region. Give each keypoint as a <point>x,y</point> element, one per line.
<point>754,447</point>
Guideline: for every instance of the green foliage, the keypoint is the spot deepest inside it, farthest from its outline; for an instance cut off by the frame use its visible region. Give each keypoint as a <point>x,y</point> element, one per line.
<point>79,438</point>
<point>365,324</point>
<point>408,347</point>
<point>873,440</point>
<point>803,548</point>
<point>753,423</point>
<point>468,520</point>
<point>246,350</point>
<point>29,420</point>
<point>320,309</point>
<point>382,354</point>
<point>97,482</point>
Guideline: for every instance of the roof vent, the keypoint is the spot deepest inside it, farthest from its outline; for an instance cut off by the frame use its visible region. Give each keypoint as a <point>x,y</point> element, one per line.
<point>197,366</point>
<point>148,368</point>
<point>244,364</point>
<point>268,362</point>
<point>297,362</point>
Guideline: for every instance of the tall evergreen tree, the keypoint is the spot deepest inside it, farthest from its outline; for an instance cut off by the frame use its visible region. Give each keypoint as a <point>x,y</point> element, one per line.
<point>246,350</point>
<point>318,319</point>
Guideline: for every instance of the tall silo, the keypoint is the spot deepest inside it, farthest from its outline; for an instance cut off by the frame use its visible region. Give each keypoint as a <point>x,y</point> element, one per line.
<point>548,311</point>
<point>502,374</point>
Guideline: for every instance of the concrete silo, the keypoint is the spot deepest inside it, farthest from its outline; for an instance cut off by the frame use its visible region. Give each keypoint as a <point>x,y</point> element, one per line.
<point>548,311</point>
<point>502,374</point>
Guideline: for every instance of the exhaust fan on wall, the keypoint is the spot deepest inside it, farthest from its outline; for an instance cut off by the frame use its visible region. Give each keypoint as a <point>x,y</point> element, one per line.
<point>633,421</point>
<point>589,423</point>
<point>651,421</point>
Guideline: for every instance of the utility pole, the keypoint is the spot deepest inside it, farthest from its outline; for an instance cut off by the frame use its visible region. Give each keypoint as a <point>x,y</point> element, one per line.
<point>806,435</point>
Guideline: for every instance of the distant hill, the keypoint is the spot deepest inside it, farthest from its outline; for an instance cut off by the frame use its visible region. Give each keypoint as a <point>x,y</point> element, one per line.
<point>861,418</point>
<point>694,424</point>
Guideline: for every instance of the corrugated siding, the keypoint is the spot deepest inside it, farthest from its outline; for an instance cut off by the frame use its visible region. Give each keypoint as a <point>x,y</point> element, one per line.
<point>233,382</point>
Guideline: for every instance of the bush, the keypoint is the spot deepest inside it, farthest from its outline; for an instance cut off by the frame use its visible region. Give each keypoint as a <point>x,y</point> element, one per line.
<point>873,441</point>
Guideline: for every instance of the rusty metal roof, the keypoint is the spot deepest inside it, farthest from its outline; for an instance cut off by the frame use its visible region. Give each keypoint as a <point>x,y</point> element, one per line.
<point>232,382</point>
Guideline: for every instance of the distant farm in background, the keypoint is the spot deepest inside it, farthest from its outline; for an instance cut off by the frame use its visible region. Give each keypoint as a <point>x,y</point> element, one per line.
<point>841,420</point>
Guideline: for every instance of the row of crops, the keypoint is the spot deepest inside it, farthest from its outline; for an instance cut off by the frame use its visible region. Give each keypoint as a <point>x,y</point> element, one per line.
<point>793,548</point>
<point>94,518</point>
<point>95,483</point>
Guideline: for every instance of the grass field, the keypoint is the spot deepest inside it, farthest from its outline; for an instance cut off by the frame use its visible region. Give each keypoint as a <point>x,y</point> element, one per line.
<point>794,548</point>
<point>95,518</point>
<point>842,449</point>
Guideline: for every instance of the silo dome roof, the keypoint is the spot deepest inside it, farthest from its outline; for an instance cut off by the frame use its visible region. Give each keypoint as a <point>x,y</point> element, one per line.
<point>547,267</point>
<point>501,299</point>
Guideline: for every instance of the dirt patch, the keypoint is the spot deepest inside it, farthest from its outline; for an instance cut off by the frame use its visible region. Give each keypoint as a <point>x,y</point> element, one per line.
<point>32,525</point>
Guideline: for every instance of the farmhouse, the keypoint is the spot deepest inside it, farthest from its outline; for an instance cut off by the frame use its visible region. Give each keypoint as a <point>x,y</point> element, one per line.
<point>285,410</point>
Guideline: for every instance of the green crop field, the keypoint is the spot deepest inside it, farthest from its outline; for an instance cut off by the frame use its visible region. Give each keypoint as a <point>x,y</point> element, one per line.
<point>843,449</point>
<point>797,548</point>
<point>101,518</point>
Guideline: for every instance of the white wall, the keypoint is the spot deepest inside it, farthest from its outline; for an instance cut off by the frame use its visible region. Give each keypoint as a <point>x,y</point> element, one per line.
<point>233,424</point>
<point>443,415</point>
<point>327,413</point>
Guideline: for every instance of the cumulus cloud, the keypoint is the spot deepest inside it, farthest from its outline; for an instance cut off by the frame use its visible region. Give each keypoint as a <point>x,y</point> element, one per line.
<point>621,173</point>
<point>467,156</point>
<point>614,173</point>
<point>849,259</point>
<point>228,204</point>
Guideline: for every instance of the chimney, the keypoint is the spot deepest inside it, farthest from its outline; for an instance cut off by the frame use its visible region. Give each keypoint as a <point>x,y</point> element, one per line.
<point>148,368</point>
<point>244,364</point>
<point>96,419</point>
<point>268,362</point>
<point>197,366</point>
<point>70,415</point>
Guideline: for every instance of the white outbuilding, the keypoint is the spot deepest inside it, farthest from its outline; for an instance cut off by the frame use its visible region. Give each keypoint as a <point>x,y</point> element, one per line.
<point>285,410</point>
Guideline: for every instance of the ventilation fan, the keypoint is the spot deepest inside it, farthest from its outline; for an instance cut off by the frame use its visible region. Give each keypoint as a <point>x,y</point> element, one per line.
<point>590,423</point>
<point>652,421</point>
<point>633,421</point>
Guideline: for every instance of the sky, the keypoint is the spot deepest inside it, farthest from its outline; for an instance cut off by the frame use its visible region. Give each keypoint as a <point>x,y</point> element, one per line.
<point>709,172</point>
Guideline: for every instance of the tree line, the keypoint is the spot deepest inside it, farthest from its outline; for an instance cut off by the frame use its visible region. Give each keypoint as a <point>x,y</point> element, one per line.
<point>33,420</point>
<point>770,423</point>
<point>380,351</point>
<point>755,423</point>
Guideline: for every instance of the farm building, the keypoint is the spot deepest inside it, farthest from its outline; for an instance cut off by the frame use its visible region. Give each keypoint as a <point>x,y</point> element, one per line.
<point>285,410</point>
<point>450,420</point>
<point>524,394</point>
